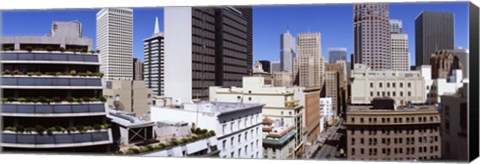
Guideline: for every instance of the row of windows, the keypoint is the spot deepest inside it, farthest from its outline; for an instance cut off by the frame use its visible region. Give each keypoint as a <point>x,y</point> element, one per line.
<point>397,119</point>
<point>241,123</point>
<point>387,151</point>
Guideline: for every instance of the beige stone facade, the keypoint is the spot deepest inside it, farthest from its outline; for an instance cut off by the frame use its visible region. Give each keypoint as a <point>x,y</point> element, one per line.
<point>132,94</point>
<point>401,134</point>
<point>402,86</point>
<point>311,66</point>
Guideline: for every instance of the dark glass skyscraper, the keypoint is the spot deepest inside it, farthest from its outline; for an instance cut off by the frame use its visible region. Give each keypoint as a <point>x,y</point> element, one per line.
<point>433,32</point>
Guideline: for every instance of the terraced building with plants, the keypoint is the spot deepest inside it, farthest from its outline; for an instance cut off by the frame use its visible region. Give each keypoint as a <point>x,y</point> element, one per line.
<point>52,93</point>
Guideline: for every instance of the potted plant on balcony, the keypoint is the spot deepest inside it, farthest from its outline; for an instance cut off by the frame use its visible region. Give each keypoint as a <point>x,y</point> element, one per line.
<point>88,73</point>
<point>22,99</point>
<point>56,99</point>
<point>61,49</point>
<point>81,128</point>
<point>16,72</point>
<point>10,129</point>
<point>38,73</point>
<point>6,72</point>
<point>30,74</point>
<point>39,129</point>
<point>97,127</point>
<point>73,73</point>
<point>42,99</point>
<point>20,129</point>
<point>71,129</point>
<point>4,99</point>
<point>28,48</point>
<point>60,129</point>
<point>28,130</point>
<point>58,74</point>
<point>102,99</point>
<point>50,130</point>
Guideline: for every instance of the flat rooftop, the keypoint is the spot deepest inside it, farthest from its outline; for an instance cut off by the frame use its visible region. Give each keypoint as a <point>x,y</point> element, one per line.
<point>414,108</point>
<point>215,107</point>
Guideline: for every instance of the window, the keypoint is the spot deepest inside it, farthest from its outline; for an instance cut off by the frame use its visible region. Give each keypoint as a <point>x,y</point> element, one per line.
<point>246,136</point>
<point>371,85</point>
<point>224,144</point>
<point>231,141</point>
<point>223,128</point>
<point>388,85</point>
<point>361,151</point>
<point>361,140</point>
<point>380,85</point>
<point>239,138</point>
<point>231,126</point>
<point>409,85</point>
<point>401,85</point>
<point>353,141</point>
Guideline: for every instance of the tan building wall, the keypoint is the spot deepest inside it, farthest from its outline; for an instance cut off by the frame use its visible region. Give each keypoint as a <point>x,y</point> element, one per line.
<point>393,134</point>
<point>311,65</point>
<point>132,94</point>
<point>282,79</point>
<point>332,89</point>
<point>312,114</point>
<point>402,86</point>
<point>455,126</point>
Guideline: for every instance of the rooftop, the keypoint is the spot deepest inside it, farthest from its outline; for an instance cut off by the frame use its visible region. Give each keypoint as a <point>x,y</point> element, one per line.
<point>412,108</point>
<point>127,119</point>
<point>215,107</point>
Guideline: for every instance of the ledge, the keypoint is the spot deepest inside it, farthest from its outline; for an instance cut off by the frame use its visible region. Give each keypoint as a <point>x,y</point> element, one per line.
<point>56,140</point>
<point>53,109</point>
<point>50,82</point>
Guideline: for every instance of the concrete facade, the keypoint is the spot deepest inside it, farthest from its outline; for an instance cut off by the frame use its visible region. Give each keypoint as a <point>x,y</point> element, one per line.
<point>132,94</point>
<point>137,69</point>
<point>400,60</point>
<point>67,35</point>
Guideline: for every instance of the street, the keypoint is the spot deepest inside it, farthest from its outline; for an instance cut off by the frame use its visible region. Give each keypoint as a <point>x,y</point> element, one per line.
<point>332,142</point>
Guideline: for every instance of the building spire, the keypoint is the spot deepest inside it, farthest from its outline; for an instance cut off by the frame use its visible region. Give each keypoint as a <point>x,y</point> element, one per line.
<point>157,29</point>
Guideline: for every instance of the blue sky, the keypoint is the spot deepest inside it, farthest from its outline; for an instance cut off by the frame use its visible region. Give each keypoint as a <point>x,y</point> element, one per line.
<point>334,22</point>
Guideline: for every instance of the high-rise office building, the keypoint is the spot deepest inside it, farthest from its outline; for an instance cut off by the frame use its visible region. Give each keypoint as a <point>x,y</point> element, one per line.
<point>396,26</point>
<point>247,13</point>
<point>65,93</point>
<point>399,47</point>
<point>335,54</point>
<point>276,66</point>
<point>310,61</point>
<point>115,40</point>
<point>200,46</point>
<point>287,51</point>
<point>433,32</point>
<point>137,69</point>
<point>372,35</point>
<point>154,61</point>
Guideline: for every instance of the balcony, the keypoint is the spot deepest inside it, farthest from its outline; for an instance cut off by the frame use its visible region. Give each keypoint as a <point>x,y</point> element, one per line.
<point>53,110</point>
<point>56,140</point>
<point>51,82</point>
<point>53,57</point>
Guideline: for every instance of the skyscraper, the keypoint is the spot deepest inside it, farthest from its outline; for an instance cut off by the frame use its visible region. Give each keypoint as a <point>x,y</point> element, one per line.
<point>287,51</point>
<point>153,64</point>
<point>137,69</point>
<point>399,47</point>
<point>396,26</point>
<point>114,40</point>
<point>372,35</point>
<point>265,65</point>
<point>335,54</point>
<point>310,61</point>
<point>433,32</point>
<point>276,66</point>
<point>200,47</point>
